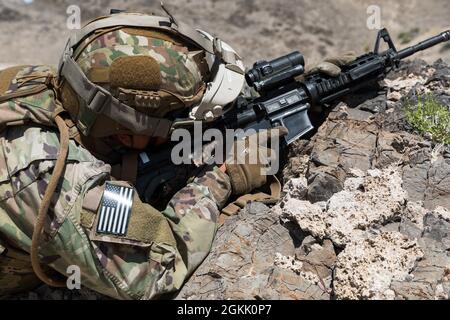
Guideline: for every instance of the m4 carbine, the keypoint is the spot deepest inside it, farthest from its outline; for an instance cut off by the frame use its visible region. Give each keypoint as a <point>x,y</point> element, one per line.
<point>283,101</point>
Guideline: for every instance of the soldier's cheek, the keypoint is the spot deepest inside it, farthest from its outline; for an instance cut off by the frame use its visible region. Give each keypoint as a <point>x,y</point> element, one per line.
<point>140,142</point>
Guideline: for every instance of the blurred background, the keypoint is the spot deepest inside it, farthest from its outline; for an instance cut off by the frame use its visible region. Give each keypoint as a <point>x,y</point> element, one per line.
<point>35,31</point>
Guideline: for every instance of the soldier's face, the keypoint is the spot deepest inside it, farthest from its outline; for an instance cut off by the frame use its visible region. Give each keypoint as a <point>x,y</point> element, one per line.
<point>138,142</point>
<point>133,141</point>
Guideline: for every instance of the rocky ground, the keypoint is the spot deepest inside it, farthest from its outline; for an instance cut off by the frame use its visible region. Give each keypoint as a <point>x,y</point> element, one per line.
<point>365,213</point>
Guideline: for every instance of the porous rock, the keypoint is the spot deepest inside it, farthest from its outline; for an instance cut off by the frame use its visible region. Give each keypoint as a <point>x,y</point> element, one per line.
<point>242,264</point>
<point>364,202</point>
<point>366,269</point>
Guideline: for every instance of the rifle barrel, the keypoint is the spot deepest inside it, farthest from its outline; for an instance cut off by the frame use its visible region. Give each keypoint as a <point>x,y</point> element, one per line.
<point>431,42</point>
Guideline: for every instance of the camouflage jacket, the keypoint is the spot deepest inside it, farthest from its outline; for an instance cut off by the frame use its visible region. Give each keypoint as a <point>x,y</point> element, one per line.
<point>157,253</point>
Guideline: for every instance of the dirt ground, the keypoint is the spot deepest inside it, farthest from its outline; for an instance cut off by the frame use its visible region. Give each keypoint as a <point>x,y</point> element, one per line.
<point>35,31</point>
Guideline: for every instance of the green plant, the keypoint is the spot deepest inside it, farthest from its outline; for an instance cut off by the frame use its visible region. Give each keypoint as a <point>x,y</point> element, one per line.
<point>429,116</point>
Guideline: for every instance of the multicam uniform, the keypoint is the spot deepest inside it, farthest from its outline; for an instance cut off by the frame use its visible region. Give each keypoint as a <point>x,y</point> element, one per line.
<point>159,250</point>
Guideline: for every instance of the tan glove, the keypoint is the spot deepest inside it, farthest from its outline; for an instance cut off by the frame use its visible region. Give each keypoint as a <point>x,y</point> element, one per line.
<point>332,66</point>
<point>248,175</point>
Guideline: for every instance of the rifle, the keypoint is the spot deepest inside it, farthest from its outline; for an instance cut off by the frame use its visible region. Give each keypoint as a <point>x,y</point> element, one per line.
<point>284,101</point>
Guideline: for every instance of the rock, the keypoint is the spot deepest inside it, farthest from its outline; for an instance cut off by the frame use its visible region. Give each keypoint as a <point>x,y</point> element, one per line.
<point>410,229</point>
<point>441,74</point>
<point>428,180</point>
<point>365,202</point>
<point>394,148</point>
<point>374,105</point>
<point>342,145</point>
<point>298,160</point>
<point>322,187</point>
<point>319,259</point>
<point>437,228</point>
<point>308,216</point>
<point>394,96</point>
<point>366,269</point>
<point>404,84</point>
<point>314,262</point>
<point>308,272</point>
<point>248,262</point>
<point>442,213</point>
<point>381,258</point>
<point>296,187</point>
<point>344,142</point>
<point>306,246</point>
<point>414,213</point>
<point>430,279</point>
<point>416,66</point>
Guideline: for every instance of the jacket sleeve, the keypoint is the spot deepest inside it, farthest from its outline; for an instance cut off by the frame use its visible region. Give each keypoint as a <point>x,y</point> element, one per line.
<point>160,249</point>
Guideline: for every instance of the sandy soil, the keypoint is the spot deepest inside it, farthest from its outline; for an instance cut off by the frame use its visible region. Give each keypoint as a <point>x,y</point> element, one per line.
<point>36,32</point>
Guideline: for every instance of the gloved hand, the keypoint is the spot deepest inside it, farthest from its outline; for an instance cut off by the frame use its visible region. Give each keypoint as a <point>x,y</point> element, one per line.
<point>248,175</point>
<point>332,66</point>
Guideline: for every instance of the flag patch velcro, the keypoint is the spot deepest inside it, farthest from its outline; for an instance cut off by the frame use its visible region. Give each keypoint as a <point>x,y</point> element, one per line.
<point>115,210</point>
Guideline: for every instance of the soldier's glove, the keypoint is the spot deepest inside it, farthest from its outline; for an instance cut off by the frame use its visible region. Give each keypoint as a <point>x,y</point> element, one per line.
<point>250,158</point>
<point>332,66</point>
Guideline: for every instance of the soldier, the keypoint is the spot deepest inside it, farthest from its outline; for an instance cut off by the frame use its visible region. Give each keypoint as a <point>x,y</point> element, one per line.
<point>67,162</point>
<point>69,141</point>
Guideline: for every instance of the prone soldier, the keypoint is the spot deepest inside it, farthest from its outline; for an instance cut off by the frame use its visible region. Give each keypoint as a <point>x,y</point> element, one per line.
<point>69,145</point>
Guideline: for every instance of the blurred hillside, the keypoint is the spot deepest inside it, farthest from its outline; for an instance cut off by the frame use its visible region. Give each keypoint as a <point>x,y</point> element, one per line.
<point>34,31</point>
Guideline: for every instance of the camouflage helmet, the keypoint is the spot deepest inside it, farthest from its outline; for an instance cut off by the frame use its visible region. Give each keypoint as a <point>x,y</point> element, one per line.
<point>141,74</point>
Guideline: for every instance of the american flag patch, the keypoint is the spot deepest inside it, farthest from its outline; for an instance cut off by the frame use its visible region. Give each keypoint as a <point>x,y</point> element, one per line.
<point>115,210</point>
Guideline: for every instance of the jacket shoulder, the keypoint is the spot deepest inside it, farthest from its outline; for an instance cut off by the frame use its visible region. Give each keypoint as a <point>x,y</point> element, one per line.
<point>25,95</point>
<point>27,153</point>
